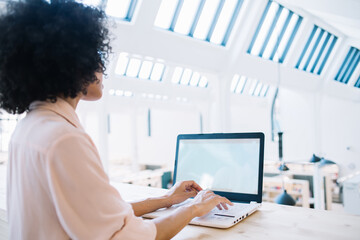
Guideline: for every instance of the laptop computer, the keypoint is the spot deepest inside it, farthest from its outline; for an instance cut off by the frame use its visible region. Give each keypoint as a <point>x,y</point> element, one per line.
<point>230,164</point>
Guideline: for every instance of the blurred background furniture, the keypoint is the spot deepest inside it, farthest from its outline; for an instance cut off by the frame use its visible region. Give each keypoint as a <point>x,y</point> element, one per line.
<point>322,183</point>
<point>351,192</point>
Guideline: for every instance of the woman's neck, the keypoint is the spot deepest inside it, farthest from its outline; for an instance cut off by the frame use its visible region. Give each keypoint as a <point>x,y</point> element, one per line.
<point>72,101</point>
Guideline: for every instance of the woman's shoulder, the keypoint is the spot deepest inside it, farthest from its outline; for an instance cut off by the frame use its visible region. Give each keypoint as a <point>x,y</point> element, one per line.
<point>45,128</point>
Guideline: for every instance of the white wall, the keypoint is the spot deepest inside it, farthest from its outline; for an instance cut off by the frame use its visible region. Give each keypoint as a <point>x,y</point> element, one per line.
<point>121,138</point>
<point>341,133</point>
<point>297,121</point>
<point>316,114</point>
<point>159,148</point>
<point>295,114</point>
<point>339,129</point>
<point>250,114</point>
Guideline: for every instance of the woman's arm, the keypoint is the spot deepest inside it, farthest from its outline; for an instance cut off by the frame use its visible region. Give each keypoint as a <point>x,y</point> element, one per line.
<point>204,202</point>
<point>149,205</point>
<point>177,194</point>
<point>169,226</point>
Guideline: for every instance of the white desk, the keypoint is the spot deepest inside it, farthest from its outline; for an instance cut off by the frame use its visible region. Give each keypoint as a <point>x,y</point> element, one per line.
<point>272,221</point>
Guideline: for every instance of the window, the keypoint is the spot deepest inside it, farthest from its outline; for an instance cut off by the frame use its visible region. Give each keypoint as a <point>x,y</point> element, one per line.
<point>145,70</point>
<point>357,84</point>
<point>152,96</point>
<point>133,67</point>
<point>138,67</point>
<point>275,33</point>
<point>254,86</point>
<point>94,3</point>
<point>181,99</point>
<point>157,72</point>
<point>238,84</point>
<point>208,20</point>
<point>348,66</point>
<point>186,76</point>
<point>7,126</point>
<point>122,63</point>
<point>122,9</point>
<point>120,93</point>
<point>316,51</point>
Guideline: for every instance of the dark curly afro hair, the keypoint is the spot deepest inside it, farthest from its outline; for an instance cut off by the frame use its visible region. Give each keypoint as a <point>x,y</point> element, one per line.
<point>49,49</point>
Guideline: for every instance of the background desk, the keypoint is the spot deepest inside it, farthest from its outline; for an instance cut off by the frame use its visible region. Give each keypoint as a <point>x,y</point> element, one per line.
<point>271,221</point>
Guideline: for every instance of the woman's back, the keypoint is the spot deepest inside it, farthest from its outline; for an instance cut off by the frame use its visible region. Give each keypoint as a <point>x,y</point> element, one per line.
<point>56,182</point>
<point>30,199</point>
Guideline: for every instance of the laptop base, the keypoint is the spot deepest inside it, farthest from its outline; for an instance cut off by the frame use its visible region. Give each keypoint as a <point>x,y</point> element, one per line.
<point>216,218</point>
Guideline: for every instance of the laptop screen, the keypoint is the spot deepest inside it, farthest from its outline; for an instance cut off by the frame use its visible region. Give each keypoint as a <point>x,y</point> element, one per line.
<point>221,164</point>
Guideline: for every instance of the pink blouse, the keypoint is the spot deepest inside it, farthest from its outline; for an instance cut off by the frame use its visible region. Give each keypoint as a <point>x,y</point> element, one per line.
<point>57,188</point>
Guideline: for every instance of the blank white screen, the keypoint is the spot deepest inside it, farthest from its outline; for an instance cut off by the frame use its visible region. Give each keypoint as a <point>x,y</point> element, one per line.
<point>230,165</point>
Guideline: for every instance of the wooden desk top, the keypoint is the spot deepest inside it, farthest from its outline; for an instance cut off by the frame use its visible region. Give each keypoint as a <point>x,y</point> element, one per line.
<point>271,221</point>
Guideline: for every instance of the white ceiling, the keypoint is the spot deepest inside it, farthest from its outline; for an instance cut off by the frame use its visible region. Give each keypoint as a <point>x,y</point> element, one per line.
<point>344,15</point>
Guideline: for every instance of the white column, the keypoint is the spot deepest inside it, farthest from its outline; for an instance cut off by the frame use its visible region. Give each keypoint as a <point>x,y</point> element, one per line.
<point>220,108</point>
<point>318,185</point>
<point>224,104</point>
<point>103,132</point>
<point>318,99</point>
<point>135,155</point>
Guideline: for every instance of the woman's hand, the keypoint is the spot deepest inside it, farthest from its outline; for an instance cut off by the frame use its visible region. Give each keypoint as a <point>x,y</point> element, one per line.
<point>182,191</point>
<point>177,194</point>
<point>205,201</point>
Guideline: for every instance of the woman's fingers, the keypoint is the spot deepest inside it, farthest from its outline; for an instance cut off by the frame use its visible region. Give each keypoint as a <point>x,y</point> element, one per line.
<point>196,186</point>
<point>191,185</point>
<point>223,202</point>
<point>227,201</point>
<point>224,205</point>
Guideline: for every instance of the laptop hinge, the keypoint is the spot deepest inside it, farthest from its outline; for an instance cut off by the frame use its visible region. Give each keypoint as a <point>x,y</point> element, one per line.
<point>245,202</point>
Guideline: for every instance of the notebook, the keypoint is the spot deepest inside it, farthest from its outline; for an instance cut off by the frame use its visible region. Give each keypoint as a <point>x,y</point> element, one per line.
<point>230,164</point>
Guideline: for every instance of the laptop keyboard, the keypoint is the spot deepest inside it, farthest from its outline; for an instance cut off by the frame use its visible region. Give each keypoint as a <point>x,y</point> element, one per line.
<point>225,218</point>
<point>232,211</point>
<point>238,207</point>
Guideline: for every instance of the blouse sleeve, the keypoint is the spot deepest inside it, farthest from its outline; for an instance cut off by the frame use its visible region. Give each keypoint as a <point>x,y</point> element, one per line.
<point>87,206</point>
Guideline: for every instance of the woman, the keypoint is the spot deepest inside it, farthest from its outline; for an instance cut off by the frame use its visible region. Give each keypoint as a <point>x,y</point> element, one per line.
<point>52,55</point>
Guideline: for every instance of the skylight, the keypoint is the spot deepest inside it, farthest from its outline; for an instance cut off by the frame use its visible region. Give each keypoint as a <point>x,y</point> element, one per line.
<point>155,96</point>
<point>121,93</point>
<point>357,84</point>
<point>186,76</point>
<point>94,3</point>
<point>122,9</point>
<point>138,67</point>
<point>348,66</point>
<point>316,51</point>
<point>275,33</point>
<point>157,72</point>
<point>253,87</point>
<point>8,123</point>
<point>208,20</point>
